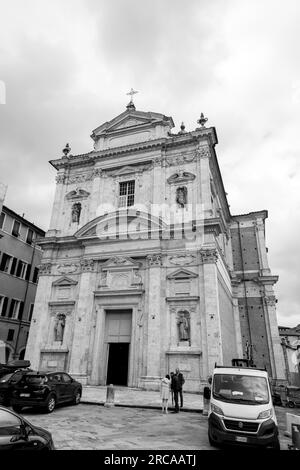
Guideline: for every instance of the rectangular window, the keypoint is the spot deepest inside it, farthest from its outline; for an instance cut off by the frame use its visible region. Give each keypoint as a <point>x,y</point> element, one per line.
<point>13,266</point>
<point>20,311</point>
<point>10,335</point>
<point>16,228</point>
<point>6,263</point>
<point>14,308</point>
<point>30,312</point>
<point>2,217</point>
<point>126,196</point>
<point>35,275</point>
<point>21,269</point>
<point>29,237</point>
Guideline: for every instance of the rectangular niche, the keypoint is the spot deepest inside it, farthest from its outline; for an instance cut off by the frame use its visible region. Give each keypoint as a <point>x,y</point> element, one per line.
<point>53,361</point>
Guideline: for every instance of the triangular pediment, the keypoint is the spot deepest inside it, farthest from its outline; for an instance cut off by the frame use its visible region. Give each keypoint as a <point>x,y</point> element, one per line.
<point>182,274</point>
<point>120,262</point>
<point>65,281</point>
<point>132,119</point>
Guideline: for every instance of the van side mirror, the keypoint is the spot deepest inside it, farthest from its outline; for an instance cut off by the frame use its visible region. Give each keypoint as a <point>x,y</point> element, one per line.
<point>206,393</point>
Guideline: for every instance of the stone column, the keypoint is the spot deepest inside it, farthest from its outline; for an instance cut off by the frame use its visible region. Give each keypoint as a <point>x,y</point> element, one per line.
<point>154,327</point>
<point>95,196</point>
<point>203,154</point>
<point>157,186</point>
<point>261,246</point>
<point>212,313</point>
<point>60,179</point>
<point>39,326</point>
<point>236,316</point>
<point>275,348</point>
<point>83,322</point>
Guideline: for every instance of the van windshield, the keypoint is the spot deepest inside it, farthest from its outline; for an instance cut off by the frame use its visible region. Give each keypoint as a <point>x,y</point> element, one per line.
<point>244,389</point>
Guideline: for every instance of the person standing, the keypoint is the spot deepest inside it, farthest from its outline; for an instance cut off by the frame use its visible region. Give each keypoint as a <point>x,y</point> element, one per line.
<point>165,393</point>
<point>177,384</point>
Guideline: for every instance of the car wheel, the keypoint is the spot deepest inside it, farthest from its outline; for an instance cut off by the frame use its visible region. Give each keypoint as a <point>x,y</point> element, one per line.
<point>77,398</point>
<point>17,408</point>
<point>51,403</point>
<point>291,404</point>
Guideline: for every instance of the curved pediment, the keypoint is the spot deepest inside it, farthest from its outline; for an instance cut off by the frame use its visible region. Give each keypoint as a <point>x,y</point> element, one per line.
<point>127,223</point>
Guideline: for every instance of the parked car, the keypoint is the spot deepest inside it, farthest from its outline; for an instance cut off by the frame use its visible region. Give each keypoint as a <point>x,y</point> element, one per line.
<point>13,366</point>
<point>293,396</point>
<point>8,383</point>
<point>16,433</point>
<point>45,390</point>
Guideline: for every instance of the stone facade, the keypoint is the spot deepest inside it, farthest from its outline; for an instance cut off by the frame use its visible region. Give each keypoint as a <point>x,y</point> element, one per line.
<point>141,262</point>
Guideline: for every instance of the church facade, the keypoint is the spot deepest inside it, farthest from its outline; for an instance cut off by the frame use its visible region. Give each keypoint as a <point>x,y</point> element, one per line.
<point>145,269</point>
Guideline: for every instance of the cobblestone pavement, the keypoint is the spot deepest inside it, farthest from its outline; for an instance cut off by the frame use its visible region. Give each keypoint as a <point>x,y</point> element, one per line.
<point>99,427</point>
<point>94,427</point>
<point>137,397</point>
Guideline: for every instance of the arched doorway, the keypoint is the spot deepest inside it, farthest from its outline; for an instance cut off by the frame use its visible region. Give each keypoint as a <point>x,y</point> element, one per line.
<point>22,354</point>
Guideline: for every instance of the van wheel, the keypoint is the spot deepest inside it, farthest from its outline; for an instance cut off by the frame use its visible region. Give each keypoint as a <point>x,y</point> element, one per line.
<point>276,445</point>
<point>17,408</point>
<point>291,404</point>
<point>212,442</point>
<point>51,403</point>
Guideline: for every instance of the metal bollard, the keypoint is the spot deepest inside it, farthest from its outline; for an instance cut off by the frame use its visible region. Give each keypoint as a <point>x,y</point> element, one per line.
<point>110,396</point>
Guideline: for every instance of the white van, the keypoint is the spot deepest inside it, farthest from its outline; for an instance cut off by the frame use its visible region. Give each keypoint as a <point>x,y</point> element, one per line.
<point>241,409</point>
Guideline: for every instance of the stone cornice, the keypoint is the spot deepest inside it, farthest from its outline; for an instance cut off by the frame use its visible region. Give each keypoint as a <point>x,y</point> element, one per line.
<point>267,280</point>
<point>183,298</point>
<point>110,293</point>
<point>164,143</point>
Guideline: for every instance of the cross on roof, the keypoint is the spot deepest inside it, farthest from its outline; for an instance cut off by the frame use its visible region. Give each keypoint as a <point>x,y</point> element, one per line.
<point>131,93</point>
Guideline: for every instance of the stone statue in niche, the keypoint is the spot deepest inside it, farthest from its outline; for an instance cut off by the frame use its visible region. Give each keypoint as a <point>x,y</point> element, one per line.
<point>181,196</point>
<point>59,327</point>
<point>183,327</point>
<point>76,210</point>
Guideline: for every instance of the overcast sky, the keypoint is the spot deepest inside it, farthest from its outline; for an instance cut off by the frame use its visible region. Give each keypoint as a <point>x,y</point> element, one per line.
<point>66,66</point>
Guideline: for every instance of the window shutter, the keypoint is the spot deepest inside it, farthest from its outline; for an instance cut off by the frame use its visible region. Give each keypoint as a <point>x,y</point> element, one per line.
<point>11,308</point>
<point>19,268</point>
<point>28,270</point>
<point>21,309</point>
<point>13,265</point>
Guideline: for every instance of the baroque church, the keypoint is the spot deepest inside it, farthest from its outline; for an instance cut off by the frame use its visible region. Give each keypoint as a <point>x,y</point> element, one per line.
<point>144,267</point>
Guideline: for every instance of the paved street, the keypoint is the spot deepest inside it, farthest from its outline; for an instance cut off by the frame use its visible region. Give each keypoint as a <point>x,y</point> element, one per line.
<point>98,427</point>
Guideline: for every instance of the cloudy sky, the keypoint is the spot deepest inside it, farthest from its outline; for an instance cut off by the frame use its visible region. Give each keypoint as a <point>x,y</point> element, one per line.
<point>66,65</point>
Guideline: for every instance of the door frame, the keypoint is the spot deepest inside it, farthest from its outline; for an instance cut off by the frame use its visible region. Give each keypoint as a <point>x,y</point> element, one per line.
<point>99,347</point>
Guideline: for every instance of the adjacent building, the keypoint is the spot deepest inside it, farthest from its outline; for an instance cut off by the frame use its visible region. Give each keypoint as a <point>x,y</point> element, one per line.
<point>290,342</point>
<point>144,267</point>
<point>19,261</point>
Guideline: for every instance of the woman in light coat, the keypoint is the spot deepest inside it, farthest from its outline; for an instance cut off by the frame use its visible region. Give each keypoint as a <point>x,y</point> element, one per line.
<point>165,393</point>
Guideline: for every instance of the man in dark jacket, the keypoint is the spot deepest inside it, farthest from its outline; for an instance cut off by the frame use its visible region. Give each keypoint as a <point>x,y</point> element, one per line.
<point>176,386</point>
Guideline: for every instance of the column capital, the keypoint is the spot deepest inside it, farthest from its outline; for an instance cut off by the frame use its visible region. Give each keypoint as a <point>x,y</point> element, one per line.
<point>154,260</point>
<point>209,255</point>
<point>45,268</point>
<point>87,265</point>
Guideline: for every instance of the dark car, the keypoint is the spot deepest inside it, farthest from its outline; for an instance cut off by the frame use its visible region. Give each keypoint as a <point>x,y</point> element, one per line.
<point>45,390</point>
<point>13,366</point>
<point>16,433</point>
<point>8,383</point>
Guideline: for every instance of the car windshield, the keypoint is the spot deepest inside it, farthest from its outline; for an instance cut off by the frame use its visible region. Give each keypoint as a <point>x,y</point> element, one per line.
<point>35,379</point>
<point>6,377</point>
<point>243,389</point>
